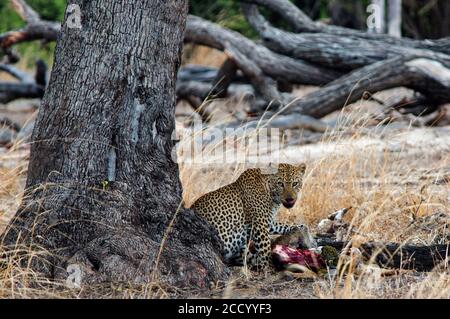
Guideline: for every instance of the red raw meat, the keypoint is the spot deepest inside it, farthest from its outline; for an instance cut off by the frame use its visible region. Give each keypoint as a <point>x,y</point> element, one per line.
<point>284,255</point>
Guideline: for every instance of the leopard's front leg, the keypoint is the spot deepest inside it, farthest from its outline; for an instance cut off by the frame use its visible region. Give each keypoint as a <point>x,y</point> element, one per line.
<point>276,228</point>
<point>261,258</point>
<point>307,239</point>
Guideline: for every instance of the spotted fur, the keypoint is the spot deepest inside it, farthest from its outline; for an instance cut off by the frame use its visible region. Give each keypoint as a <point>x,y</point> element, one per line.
<point>246,210</point>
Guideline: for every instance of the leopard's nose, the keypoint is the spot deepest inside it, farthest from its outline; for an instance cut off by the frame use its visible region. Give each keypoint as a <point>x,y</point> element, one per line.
<point>289,202</point>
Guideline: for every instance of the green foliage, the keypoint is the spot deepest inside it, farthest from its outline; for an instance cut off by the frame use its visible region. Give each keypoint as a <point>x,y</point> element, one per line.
<point>49,10</point>
<point>9,19</point>
<point>227,13</point>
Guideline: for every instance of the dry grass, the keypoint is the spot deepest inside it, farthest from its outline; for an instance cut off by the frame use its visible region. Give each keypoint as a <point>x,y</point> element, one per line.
<point>199,54</point>
<point>386,175</point>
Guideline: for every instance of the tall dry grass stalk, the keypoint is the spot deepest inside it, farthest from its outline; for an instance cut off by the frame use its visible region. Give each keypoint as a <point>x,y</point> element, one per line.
<point>388,177</point>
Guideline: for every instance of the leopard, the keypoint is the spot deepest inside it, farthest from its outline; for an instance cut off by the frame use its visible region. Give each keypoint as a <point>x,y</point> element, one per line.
<point>245,212</point>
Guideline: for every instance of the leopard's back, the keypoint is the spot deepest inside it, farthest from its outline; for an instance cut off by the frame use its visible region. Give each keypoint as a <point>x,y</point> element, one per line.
<point>223,208</point>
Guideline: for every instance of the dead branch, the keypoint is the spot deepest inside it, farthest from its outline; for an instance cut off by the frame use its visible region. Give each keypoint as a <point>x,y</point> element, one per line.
<point>28,86</point>
<point>392,255</point>
<point>301,23</point>
<point>274,65</point>
<point>35,28</point>
<point>16,73</point>
<point>398,62</point>
<point>285,122</point>
<point>225,76</point>
<point>198,73</point>
<point>6,122</point>
<point>428,74</point>
<point>398,70</point>
<point>265,85</point>
<point>330,49</point>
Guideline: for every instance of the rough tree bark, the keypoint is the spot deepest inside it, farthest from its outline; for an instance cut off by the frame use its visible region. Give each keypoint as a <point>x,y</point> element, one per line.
<point>102,190</point>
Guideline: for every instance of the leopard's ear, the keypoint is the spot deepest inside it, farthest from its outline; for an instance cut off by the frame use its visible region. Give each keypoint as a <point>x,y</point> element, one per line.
<point>301,168</point>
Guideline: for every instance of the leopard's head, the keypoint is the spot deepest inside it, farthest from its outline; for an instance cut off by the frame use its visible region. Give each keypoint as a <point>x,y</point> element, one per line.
<point>286,183</point>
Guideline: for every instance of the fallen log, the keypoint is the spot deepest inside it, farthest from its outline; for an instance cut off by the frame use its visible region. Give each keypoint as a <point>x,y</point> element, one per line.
<point>29,86</point>
<point>428,74</point>
<point>392,255</point>
<point>284,122</point>
<point>6,122</point>
<point>395,72</point>
<point>301,23</point>
<point>13,91</point>
<point>245,53</point>
<point>270,73</point>
<point>197,93</point>
<point>265,85</point>
<point>200,31</point>
<point>205,74</point>
<point>197,73</point>
<point>336,51</point>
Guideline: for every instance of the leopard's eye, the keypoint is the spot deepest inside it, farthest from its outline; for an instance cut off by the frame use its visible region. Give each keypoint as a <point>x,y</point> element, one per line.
<point>294,184</point>
<point>280,183</point>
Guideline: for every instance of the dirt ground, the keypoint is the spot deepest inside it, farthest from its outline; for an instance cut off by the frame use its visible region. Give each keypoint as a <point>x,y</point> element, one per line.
<point>389,174</point>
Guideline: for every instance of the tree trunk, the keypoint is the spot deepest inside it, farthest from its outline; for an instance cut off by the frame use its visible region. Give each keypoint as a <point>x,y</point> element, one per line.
<point>395,18</point>
<point>103,192</point>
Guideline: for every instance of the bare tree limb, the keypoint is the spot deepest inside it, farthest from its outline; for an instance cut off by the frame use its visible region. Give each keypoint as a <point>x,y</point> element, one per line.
<point>429,75</point>
<point>25,11</point>
<point>391,255</point>
<point>404,62</point>
<point>18,74</point>
<point>224,78</point>
<point>35,29</point>
<point>302,23</point>
<point>13,91</point>
<point>203,32</point>
<point>265,85</point>
<point>329,50</point>
<point>28,87</point>
<point>9,123</point>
